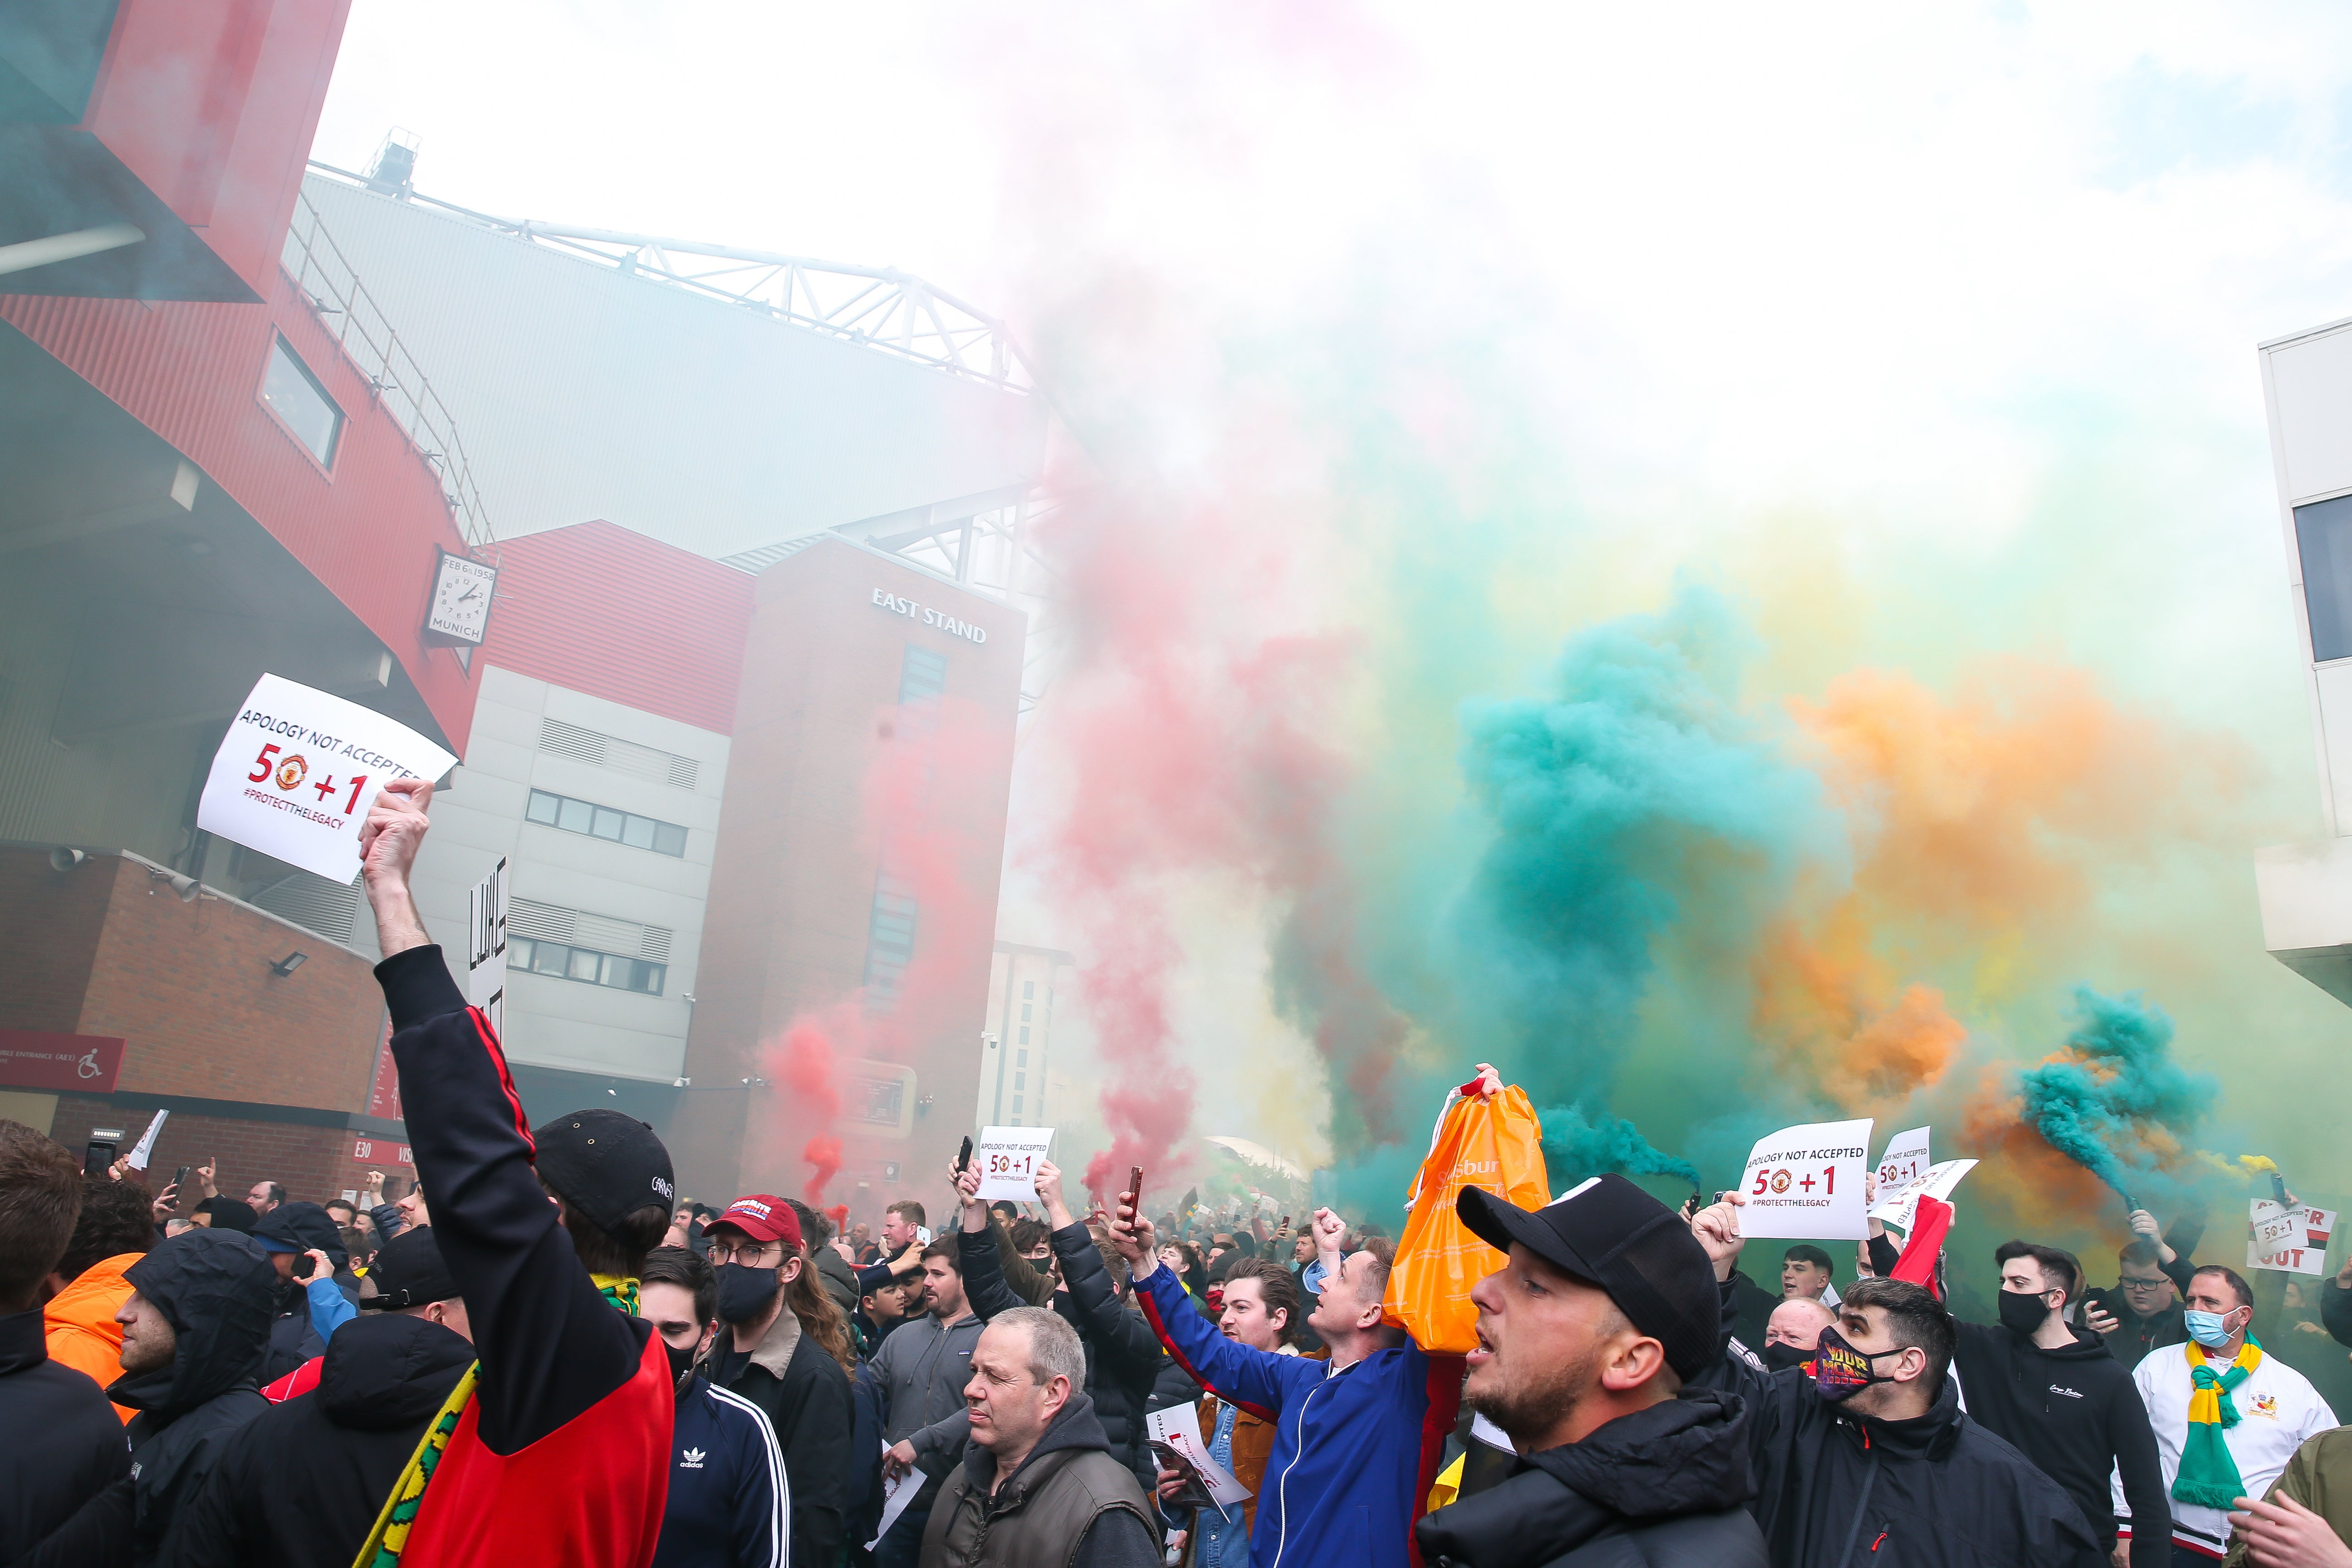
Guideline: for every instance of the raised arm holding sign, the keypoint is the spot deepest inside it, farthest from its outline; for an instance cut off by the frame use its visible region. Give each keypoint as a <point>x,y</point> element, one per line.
<point>1805,1183</point>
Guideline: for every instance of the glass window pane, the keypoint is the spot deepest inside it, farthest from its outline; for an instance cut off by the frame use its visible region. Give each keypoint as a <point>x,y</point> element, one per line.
<point>608,823</point>
<point>519,952</point>
<point>1028,988</point>
<point>543,807</point>
<point>650,977</point>
<point>553,958</point>
<point>637,832</point>
<point>583,963</point>
<point>577,815</point>
<point>296,398</point>
<point>2322,534</point>
<point>1017,1105</point>
<point>669,838</point>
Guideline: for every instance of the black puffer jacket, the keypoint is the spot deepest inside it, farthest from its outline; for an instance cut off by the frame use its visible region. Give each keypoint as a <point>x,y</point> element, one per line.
<point>1123,1354</point>
<point>337,1449</point>
<point>1664,1488</point>
<point>219,1290</point>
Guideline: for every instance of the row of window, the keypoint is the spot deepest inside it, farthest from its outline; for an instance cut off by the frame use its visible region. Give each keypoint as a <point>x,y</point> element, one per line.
<point>603,822</point>
<point>586,964</point>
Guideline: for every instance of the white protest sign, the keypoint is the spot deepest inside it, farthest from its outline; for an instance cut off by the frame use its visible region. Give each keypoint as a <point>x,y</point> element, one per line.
<point>1007,1158</point>
<point>1905,1162</point>
<point>486,947</point>
<point>2273,1227</point>
<point>1179,1427</point>
<point>295,773</point>
<point>1805,1183</point>
<point>1902,1210</point>
<point>2305,1249</point>
<point>898,1491</point>
<point>146,1145</point>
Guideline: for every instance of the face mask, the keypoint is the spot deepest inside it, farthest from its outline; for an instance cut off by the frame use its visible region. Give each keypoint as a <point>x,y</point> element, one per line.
<point>2211,1330</point>
<point>2021,1313</point>
<point>1841,1371</point>
<point>682,1361</point>
<point>1780,1358</point>
<point>744,1292</point>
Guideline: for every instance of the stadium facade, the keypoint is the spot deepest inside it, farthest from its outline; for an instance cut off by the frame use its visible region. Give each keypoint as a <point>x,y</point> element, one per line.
<point>723,764</point>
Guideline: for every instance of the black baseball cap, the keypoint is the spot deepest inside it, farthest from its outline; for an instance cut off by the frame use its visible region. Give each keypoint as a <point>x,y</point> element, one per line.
<point>1613,1235</point>
<point>605,1164</point>
<point>408,1272</point>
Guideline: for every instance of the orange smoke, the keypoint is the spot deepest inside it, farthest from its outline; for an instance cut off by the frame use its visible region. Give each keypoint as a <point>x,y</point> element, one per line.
<point>1838,1017</point>
<point>2020,1178</point>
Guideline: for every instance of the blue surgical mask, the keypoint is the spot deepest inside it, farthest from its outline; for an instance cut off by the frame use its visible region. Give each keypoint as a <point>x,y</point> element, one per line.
<point>2207,1329</point>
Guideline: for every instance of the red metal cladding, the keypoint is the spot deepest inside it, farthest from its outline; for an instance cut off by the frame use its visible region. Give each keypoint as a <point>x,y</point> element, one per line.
<point>372,530</point>
<point>213,107</point>
<point>599,609</point>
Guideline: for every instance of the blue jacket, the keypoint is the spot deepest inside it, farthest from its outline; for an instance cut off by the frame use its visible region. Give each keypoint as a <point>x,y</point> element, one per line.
<point>729,1504</point>
<point>1355,1451</point>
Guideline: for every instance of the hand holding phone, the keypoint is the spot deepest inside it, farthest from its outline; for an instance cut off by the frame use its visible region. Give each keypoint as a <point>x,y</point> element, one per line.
<point>963,1155</point>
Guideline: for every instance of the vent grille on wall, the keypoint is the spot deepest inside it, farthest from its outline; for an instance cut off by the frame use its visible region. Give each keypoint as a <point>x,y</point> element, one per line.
<point>314,904</point>
<point>576,928</point>
<point>604,750</point>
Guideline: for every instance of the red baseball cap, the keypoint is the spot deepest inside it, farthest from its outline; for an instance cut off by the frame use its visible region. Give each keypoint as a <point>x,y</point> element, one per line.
<point>763,1217</point>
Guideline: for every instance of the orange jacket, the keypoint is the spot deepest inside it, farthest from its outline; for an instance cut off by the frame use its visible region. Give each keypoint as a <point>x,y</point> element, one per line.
<point>82,1332</point>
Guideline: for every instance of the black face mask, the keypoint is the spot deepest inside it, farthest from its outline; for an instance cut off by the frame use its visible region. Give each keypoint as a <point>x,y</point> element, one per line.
<point>682,1361</point>
<point>1841,1371</point>
<point>1780,1357</point>
<point>2021,1314</point>
<point>744,1292</point>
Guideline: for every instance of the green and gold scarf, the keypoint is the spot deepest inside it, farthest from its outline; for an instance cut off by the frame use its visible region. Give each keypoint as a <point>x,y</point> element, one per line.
<point>2209,1475</point>
<point>389,1538</point>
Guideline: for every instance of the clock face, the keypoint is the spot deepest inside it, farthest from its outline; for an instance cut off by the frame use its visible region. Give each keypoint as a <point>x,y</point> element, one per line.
<point>460,611</point>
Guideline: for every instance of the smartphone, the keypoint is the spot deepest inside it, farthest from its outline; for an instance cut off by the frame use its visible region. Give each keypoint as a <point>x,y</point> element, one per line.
<point>1286,1222</point>
<point>180,1177</point>
<point>95,1157</point>
<point>963,1155</point>
<point>1135,1185</point>
<point>305,1266</point>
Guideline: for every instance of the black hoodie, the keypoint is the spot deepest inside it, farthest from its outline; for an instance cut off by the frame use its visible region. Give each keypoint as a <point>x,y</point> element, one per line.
<point>219,1290</point>
<point>299,1484</point>
<point>1663,1488</point>
<point>2076,1413</point>
<point>59,1443</point>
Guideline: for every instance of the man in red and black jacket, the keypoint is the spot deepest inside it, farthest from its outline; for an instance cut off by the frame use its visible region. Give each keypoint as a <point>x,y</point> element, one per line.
<point>556,1448</point>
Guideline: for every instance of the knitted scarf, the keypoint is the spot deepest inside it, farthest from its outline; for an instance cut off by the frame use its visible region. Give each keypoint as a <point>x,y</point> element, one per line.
<point>389,1538</point>
<point>2209,1475</point>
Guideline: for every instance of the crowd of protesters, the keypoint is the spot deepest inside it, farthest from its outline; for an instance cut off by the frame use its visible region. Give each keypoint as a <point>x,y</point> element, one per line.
<point>559,1361</point>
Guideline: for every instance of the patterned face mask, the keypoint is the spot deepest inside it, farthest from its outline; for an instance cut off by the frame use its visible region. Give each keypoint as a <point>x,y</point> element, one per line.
<point>1841,1371</point>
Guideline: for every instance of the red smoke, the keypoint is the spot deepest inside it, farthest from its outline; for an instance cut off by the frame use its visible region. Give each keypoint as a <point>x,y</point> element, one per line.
<point>1191,741</point>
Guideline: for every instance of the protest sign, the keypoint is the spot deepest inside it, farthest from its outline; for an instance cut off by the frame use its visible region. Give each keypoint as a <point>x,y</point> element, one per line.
<point>297,771</point>
<point>146,1145</point>
<point>1905,1162</point>
<point>1007,1157</point>
<point>2303,1233</point>
<point>1805,1183</point>
<point>898,1491</point>
<point>1177,1431</point>
<point>1900,1209</point>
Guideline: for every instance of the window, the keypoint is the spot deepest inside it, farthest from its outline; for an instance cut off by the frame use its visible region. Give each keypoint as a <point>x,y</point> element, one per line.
<point>2323,536</point>
<point>603,822</point>
<point>889,940</point>
<point>1024,1034</point>
<point>295,396</point>
<point>1016,1108</point>
<point>923,677</point>
<point>585,964</point>
<point>1028,989</point>
<point>1021,1080</point>
<point>1021,1058</point>
<point>1025,1012</point>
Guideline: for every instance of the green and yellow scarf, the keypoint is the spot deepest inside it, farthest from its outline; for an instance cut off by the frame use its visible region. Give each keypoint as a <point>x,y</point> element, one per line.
<point>389,1538</point>
<point>2209,1475</point>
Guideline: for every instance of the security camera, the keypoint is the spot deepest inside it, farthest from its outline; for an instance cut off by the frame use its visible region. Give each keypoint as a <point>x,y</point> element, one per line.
<point>62,859</point>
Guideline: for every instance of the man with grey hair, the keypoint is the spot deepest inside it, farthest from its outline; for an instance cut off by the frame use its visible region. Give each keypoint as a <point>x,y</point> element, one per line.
<point>1038,1483</point>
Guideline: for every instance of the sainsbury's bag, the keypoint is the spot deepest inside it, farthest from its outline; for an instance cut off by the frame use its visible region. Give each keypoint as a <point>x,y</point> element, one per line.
<point>1496,1144</point>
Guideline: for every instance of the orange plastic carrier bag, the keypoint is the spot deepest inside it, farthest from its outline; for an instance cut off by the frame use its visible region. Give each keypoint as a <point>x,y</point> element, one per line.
<point>1496,1144</point>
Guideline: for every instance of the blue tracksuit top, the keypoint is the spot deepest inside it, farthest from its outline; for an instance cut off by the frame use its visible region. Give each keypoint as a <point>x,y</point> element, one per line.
<point>1354,1451</point>
<point>728,1505</point>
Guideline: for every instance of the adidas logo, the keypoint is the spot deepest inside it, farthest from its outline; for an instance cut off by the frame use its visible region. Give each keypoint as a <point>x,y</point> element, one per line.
<point>690,1460</point>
